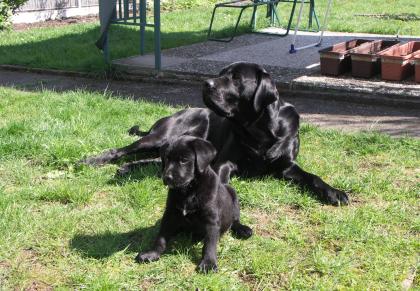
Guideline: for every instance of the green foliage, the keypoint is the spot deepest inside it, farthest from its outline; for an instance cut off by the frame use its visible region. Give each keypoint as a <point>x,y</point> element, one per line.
<point>5,14</point>
<point>14,4</point>
<point>184,4</point>
<point>7,8</point>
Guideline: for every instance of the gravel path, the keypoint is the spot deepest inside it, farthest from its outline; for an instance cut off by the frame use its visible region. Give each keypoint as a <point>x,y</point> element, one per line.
<point>325,113</point>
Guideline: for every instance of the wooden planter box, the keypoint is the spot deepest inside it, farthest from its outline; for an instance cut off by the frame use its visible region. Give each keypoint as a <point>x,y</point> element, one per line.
<point>365,62</point>
<point>417,68</point>
<point>335,60</point>
<point>396,62</point>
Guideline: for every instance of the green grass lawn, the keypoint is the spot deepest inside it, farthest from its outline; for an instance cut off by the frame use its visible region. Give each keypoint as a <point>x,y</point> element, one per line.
<point>72,47</point>
<point>71,228</point>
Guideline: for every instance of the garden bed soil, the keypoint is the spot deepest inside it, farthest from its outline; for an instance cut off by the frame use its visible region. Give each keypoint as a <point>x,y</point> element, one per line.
<point>56,22</point>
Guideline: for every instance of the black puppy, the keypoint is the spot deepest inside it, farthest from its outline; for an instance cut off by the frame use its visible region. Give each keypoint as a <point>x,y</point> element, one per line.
<point>198,201</point>
<point>248,124</point>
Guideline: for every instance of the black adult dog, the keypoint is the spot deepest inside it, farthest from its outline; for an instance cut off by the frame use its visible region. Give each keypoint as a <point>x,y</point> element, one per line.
<point>247,123</point>
<point>198,201</point>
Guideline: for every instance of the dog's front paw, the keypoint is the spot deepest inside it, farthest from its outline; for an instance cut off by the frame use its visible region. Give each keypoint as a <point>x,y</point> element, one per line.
<point>135,130</point>
<point>241,231</point>
<point>336,197</point>
<point>124,170</point>
<point>207,265</point>
<point>100,160</point>
<point>147,257</point>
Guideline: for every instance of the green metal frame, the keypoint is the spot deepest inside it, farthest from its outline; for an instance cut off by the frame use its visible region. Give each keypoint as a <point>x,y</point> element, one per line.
<point>244,4</point>
<point>124,17</point>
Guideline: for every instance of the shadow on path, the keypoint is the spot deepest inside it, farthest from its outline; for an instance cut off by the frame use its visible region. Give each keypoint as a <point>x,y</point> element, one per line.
<point>323,112</point>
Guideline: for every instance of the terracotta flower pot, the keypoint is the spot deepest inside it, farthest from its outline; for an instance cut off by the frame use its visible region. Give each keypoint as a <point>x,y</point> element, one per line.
<point>396,62</point>
<point>335,60</point>
<point>364,59</point>
<point>417,68</point>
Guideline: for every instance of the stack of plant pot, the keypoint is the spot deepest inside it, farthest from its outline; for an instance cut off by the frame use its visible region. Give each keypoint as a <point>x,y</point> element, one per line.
<point>366,58</point>
<point>335,60</point>
<point>417,65</point>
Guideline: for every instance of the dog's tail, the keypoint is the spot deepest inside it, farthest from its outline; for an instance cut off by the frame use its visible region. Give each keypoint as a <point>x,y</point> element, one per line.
<point>135,130</point>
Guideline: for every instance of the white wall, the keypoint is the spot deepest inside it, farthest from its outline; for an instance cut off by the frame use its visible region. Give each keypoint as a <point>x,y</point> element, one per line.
<point>42,15</point>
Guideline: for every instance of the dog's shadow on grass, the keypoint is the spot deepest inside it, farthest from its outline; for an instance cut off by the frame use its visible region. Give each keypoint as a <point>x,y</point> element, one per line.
<point>104,245</point>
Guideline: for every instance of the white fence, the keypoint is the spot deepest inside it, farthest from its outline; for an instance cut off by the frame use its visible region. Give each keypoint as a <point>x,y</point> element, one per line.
<point>37,5</point>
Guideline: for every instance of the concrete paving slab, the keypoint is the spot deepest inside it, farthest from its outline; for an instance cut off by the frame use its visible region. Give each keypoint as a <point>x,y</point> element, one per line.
<point>292,71</point>
<point>405,88</point>
<point>270,50</point>
<point>275,53</point>
<point>148,61</point>
<point>374,91</point>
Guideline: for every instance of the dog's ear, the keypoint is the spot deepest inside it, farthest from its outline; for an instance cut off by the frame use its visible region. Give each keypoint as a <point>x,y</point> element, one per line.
<point>162,153</point>
<point>204,153</point>
<point>266,92</point>
<point>163,149</point>
<point>224,70</point>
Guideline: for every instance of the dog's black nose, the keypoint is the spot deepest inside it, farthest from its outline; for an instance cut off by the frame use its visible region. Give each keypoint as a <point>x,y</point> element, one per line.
<point>209,84</point>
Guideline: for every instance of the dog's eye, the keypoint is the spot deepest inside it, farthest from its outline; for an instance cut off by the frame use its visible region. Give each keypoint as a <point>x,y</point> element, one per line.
<point>183,161</point>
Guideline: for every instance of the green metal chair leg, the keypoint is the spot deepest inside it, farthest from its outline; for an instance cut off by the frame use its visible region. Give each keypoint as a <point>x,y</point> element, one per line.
<point>254,18</point>
<point>312,15</point>
<point>126,11</point>
<point>311,9</point>
<point>156,13</point>
<point>289,24</point>
<point>273,17</point>
<point>211,21</point>
<point>142,25</point>
<point>271,7</point>
<point>316,17</point>
<point>276,15</point>
<point>234,31</point>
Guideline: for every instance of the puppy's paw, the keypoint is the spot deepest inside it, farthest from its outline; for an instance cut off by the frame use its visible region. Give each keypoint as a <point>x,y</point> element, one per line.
<point>102,159</point>
<point>241,231</point>
<point>207,265</point>
<point>124,170</point>
<point>147,257</point>
<point>232,167</point>
<point>135,130</point>
<point>336,197</point>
